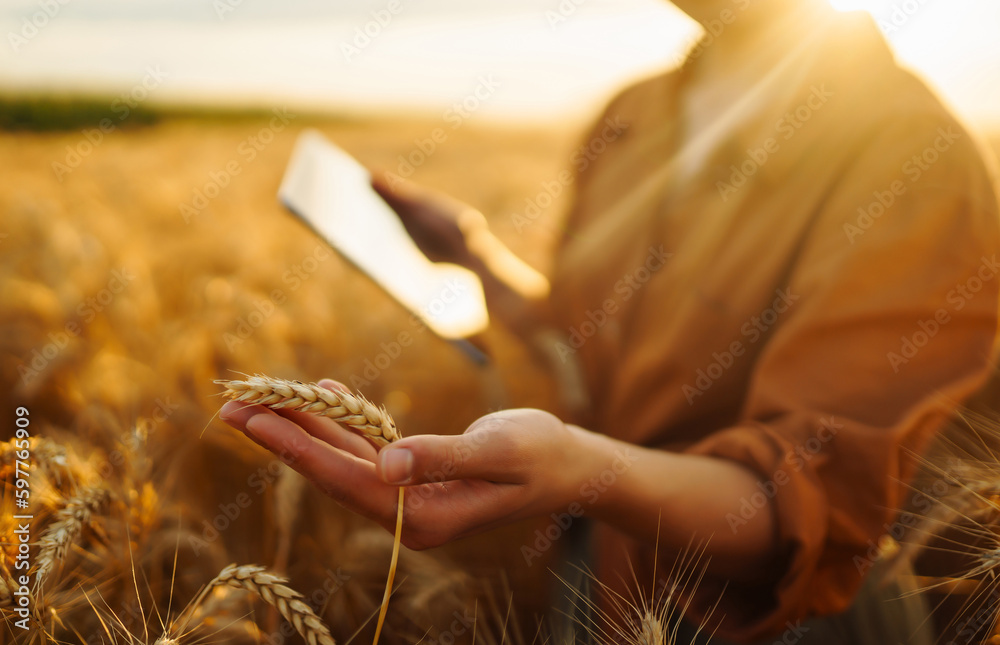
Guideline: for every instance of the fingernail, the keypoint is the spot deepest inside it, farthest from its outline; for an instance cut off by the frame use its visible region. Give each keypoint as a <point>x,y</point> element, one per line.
<point>226,410</point>
<point>330,384</point>
<point>251,426</point>
<point>397,466</point>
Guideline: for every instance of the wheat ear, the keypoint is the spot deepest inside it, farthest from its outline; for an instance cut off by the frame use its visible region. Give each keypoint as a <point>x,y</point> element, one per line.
<point>352,410</point>
<point>45,454</point>
<point>272,590</point>
<point>67,526</point>
<point>651,630</point>
<point>41,450</point>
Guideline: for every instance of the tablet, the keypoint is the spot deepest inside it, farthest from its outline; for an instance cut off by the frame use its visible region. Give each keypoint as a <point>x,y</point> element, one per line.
<point>331,192</point>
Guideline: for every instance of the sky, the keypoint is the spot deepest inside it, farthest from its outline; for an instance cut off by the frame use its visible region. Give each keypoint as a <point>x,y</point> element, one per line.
<point>539,59</point>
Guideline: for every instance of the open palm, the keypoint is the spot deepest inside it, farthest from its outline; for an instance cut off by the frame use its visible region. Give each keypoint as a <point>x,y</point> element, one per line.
<point>506,466</point>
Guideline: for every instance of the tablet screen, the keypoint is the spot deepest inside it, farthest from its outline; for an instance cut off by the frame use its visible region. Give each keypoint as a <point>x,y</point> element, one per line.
<point>332,193</point>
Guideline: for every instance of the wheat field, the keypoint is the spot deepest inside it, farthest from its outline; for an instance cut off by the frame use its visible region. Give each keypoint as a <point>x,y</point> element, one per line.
<point>161,262</point>
<point>119,313</point>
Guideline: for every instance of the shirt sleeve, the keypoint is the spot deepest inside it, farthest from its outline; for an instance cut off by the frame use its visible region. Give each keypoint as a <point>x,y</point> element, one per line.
<point>897,286</point>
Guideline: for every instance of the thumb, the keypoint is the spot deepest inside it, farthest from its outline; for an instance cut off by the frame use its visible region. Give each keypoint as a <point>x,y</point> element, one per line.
<point>384,182</point>
<point>479,454</point>
<point>399,193</point>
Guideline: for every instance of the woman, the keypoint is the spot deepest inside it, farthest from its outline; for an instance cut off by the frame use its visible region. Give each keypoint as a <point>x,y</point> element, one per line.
<point>776,280</point>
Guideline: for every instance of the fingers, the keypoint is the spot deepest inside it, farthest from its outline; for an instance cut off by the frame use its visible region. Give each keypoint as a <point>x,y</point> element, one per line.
<point>401,195</point>
<point>334,386</point>
<point>332,433</point>
<point>405,197</point>
<point>493,460</point>
<point>483,452</point>
<point>348,479</point>
<point>381,185</point>
<point>326,430</point>
<point>236,413</point>
<point>401,190</point>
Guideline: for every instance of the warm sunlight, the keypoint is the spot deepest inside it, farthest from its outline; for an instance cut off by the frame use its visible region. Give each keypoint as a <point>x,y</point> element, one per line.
<point>873,6</point>
<point>637,322</point>
<point>951,45</point>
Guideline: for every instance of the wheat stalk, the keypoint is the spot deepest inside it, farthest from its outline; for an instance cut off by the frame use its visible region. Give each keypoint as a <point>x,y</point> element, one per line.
<point>288,494</point>
<point>67,526</point>
<point>352,410</point>
<point>272,590</point>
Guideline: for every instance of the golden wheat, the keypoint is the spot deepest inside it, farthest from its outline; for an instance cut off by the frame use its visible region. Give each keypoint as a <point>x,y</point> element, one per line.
<point>287,504</point>
<point>44,453</point>
<point>216,602</point>
<point>631,617</point>
<point>5,592</point>
<point>272,590</point>
<point>67,526</point>
<point>352,410</point>
<point>651,629</point>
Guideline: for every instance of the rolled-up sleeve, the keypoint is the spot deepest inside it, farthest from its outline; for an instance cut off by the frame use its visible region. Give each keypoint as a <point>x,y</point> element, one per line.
<point>898,282</point>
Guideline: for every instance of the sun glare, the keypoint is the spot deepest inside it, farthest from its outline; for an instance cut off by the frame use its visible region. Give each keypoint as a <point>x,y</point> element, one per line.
<point>872,6</point>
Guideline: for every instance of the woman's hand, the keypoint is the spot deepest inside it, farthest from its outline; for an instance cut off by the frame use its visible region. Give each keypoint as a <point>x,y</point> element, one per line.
<point>521,463</point>
<point>506,466</point>
<point>439,224</point>
<point>447,230</point>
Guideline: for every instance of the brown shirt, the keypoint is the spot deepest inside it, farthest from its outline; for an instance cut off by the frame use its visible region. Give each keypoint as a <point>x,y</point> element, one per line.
<point>807,291</point>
